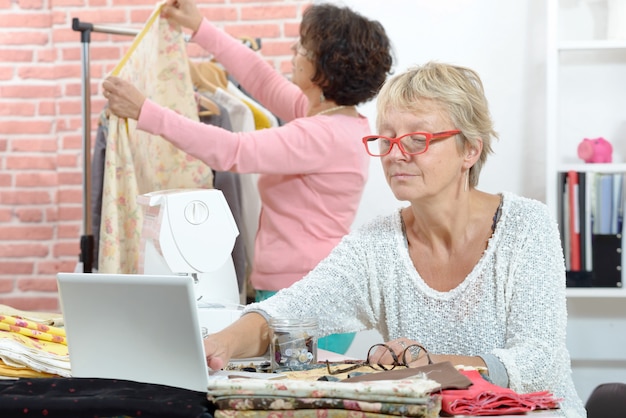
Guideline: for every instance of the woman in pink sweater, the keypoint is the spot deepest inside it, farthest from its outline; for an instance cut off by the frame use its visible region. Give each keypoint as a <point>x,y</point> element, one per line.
<point>312,169</point>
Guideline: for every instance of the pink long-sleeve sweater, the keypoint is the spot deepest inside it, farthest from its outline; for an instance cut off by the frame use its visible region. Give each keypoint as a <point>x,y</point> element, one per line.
<point>312,169</point>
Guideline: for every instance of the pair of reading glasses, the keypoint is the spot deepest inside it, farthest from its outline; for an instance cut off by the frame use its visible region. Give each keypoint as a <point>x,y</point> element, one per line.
<point>413,143</point>
<point>413,351</point>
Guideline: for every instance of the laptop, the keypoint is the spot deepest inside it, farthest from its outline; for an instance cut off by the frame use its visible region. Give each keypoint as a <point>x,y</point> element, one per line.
<point>135,327</point>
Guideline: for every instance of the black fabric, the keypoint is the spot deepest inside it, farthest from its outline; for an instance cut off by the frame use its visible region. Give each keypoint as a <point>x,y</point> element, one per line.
<point>608,400</point>
<point>97,183</point>
<point>83,397</point>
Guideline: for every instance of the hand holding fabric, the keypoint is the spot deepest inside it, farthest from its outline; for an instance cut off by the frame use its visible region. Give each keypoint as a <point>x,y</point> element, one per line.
<point>183,12</point>
<point>125,100</point>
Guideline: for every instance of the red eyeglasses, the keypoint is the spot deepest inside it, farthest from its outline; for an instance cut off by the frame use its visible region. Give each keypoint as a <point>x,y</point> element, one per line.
<point>412,143</point>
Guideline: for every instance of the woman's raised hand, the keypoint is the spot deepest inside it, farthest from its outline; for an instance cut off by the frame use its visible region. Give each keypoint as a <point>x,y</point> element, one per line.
<point>183,12</point>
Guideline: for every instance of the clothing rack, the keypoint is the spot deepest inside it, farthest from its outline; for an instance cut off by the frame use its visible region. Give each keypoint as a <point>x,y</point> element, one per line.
<point>87,239</point>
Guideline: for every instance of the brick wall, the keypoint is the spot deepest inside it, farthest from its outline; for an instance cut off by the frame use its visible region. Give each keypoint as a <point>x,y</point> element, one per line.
<point>41,163</point>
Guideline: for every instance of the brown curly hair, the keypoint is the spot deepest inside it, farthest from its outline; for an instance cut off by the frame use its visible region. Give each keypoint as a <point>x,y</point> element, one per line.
<point>352,54</point>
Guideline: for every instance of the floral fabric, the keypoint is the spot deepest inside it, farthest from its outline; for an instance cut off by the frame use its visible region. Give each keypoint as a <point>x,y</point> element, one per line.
<point>274,403</point>
<point>415,391</point>
<point>304,413</point>
<point>28,348</point>
<point>137,162</point>
<point>312,398</point>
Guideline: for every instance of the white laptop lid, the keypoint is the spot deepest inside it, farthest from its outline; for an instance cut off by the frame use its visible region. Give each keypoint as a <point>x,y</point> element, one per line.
<point>134,327</point>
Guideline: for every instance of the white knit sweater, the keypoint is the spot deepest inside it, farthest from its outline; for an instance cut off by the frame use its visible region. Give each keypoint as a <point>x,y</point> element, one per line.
<point>512,305</point>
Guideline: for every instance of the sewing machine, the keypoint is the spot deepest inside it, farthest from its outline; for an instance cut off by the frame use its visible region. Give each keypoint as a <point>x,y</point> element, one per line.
<point>192,232</point>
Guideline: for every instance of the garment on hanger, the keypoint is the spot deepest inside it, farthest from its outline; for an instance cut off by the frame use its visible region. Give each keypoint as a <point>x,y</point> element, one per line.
<point>137,162</point>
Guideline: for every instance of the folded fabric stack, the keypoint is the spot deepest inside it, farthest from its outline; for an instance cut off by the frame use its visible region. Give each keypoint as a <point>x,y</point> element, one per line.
<point>32,349</point>
<point>486,399</point>
<point>300,398</point>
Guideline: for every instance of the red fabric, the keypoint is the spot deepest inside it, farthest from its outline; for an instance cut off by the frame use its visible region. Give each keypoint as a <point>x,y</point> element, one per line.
<point>484,398</point>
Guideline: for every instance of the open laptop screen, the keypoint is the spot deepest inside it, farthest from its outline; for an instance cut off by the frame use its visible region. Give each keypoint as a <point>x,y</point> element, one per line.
<point>134,327</point>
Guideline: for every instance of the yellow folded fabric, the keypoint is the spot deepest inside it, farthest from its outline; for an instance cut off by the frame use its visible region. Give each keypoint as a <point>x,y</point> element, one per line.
<point>7,371</point>
<point>33,329</point>
<point>48,318</point>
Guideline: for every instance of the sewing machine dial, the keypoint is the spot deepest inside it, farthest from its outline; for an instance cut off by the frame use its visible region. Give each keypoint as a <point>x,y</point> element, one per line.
<point>196,212</point>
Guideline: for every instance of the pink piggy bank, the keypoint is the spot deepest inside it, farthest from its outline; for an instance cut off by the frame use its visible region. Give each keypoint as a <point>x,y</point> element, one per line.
<point>597,150</point>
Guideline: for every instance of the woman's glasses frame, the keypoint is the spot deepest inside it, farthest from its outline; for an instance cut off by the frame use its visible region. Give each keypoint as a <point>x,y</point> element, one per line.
<point>398,141</point>
<point>401,361</point>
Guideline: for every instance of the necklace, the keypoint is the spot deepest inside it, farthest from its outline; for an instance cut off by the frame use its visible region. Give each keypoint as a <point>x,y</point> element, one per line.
<point>332,109</point>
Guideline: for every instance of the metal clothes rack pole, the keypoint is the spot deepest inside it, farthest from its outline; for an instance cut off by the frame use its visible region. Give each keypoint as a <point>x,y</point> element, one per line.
<point>86,240</point>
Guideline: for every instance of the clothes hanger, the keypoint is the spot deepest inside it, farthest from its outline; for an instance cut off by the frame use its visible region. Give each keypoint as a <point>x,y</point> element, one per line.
<point>200,82</point>
<point>207,107</point>
<point>214,72</point>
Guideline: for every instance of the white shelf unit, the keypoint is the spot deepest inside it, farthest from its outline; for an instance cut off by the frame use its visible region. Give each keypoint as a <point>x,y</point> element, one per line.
<point>586,98</point>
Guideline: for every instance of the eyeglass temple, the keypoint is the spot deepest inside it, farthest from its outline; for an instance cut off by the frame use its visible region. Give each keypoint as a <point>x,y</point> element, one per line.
<point>344,370</point>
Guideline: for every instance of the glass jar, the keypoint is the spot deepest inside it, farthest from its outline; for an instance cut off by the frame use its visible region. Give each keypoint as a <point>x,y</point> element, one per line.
<point>293,343</point>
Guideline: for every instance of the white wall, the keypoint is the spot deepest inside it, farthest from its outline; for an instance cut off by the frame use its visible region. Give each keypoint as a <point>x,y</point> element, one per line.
<point>505,42</point>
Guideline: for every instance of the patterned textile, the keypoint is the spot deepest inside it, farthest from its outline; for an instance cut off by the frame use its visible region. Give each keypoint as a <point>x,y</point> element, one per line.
<point>284,403</point>
<point>22,350</point>
<point>305,413</point>
<point>32,344</point>
<point>137,162</point>
<point>415,391</point>
<point>312,398</point>
<point>48,318</point>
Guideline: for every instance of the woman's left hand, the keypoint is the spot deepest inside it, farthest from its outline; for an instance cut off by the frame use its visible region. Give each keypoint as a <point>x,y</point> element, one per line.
<point>125,100</point>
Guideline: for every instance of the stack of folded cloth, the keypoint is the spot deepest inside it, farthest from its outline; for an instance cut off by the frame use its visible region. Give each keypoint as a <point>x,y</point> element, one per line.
<point>426,391</point>
<point>31,348</point>
<point>243,397</point>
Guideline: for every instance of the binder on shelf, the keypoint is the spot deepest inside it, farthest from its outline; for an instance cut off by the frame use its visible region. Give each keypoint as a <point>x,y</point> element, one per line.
<point>590,216</point>
<point>603,223</point>
<point>574,220</point>
<point>607,260</point>
<point>573,228</point>
<point>582,220</point>
<point>617,210</point>
<point>588,220</point>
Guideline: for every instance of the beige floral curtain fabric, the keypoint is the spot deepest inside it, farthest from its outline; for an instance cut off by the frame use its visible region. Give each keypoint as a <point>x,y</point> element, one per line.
<point>137,162</point>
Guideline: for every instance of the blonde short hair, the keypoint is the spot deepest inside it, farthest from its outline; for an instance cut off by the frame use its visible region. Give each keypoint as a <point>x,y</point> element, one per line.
<point>457,89</point>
